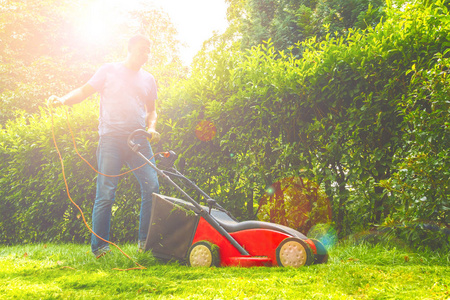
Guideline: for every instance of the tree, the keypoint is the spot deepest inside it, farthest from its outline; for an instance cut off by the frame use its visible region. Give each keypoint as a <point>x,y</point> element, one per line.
<point>287,22</point>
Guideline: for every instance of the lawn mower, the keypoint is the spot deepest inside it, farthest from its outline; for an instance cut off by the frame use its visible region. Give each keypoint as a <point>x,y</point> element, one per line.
<point>183,230</point>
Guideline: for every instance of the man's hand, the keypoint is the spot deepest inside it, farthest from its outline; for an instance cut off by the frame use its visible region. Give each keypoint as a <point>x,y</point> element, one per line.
<point>155,136</point>
<point>54,101</point>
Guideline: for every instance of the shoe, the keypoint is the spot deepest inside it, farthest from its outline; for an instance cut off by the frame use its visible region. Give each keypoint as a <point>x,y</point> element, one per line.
<point>102,252</point>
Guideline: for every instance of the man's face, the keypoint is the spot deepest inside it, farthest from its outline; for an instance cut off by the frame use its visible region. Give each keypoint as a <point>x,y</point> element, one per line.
<point>140,52</point>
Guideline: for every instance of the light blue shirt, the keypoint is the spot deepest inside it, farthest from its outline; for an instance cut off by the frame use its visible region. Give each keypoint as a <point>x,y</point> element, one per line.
<point>124,95</point>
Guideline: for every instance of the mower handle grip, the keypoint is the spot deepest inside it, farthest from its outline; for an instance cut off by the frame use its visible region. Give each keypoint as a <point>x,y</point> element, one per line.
<point>136,132</point>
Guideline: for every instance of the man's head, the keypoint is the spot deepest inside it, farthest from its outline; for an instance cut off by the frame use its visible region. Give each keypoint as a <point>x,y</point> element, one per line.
<point>138,51</point>
<point>138,39</point>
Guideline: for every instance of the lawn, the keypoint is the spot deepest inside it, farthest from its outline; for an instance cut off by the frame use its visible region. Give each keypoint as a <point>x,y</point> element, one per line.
<point>69,271</point>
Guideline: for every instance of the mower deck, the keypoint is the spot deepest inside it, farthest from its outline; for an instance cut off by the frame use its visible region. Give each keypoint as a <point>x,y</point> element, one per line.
<point>211,236</point>
<point>177,231</point>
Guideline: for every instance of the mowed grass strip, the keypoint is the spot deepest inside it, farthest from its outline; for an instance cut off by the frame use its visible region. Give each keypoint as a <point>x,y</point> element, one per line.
<point>362,271</point>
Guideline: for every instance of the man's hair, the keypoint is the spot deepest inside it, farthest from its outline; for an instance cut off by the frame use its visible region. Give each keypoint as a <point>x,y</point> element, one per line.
<point>137,39</point>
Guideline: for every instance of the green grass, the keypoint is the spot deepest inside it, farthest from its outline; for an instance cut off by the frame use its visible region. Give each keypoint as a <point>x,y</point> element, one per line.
<point>354,272</point>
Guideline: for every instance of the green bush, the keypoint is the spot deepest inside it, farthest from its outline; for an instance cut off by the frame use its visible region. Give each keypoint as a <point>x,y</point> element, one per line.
<point>364,117</point>
<point>422,180</point>
<point>35,205</point>
<point>332,116</point>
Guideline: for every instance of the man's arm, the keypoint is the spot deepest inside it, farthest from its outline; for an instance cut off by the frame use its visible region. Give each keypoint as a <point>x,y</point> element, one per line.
<point>151,121</point>
<point>151,116</point>
<point>74,97</point>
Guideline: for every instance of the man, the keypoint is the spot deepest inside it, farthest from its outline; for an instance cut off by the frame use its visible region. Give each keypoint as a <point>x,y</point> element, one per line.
<point>128,102</point>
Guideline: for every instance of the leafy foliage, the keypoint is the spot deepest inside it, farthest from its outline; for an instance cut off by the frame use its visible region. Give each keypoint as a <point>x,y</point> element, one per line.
<point>34,205</point>
<point>288,22</point>
<point>331,116</point>
<point>296,203</point>
<point>362,115</point>
<point>421,181</point>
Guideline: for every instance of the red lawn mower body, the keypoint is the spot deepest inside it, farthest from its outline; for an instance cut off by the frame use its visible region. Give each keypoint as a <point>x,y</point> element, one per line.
<point>177,228</point>
<point>210,236</point>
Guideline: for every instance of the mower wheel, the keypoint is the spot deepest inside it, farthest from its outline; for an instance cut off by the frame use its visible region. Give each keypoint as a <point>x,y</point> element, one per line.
<point>293,252</point>
<point>203,254</point>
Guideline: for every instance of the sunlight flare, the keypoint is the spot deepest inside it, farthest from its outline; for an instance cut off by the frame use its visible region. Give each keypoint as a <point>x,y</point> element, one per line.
<point>99,21</point>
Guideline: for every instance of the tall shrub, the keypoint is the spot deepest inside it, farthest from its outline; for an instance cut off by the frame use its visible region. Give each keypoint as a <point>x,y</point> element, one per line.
<point>331,116</point>
<point>422,180</point>
<point>34,203</point>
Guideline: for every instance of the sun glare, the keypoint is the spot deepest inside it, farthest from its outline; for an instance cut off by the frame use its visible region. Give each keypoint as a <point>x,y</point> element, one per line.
<point>99,20</point>
<point>95,29</point>
<point>195,20</point>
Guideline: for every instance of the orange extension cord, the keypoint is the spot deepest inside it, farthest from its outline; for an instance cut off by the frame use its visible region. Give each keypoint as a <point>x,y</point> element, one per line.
<point>139,267</point>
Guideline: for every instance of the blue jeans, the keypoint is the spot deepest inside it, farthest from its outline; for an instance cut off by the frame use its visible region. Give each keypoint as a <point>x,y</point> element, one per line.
<point>112,153</point>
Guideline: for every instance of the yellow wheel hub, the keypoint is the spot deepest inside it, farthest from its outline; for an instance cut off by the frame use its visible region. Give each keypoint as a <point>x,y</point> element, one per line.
<point>200,256</point>
<point>293,254</point>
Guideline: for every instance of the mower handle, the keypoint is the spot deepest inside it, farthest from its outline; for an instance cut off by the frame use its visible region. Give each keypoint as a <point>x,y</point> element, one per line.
<point>136,132</point>
<point>209,218</point>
